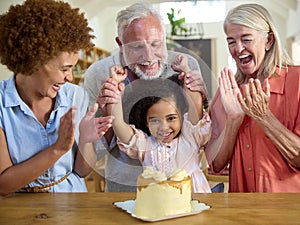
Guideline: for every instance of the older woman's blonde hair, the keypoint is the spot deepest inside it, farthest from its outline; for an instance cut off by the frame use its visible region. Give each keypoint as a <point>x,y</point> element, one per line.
<point>257,17</point>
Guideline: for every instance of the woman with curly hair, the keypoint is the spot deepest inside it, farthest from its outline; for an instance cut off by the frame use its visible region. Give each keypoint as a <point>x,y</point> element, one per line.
<point>46,130</point>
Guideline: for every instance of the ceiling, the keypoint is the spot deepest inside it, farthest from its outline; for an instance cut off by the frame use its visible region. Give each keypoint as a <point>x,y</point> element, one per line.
<point>280,7</point>
<point>94,7</point>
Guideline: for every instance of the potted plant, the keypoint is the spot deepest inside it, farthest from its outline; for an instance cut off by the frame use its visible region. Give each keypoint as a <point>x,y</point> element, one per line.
<point>176,24</point>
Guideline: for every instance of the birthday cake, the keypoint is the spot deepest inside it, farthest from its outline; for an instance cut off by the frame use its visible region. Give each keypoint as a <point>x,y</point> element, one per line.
<point>159,197</point>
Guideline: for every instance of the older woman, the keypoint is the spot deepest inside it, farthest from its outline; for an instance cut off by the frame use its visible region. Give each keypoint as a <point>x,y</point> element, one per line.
<point>42,145</point>
<point>255,115</point>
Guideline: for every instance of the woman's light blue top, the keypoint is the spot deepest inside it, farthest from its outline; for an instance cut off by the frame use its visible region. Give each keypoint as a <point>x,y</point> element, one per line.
<point>26,136</point>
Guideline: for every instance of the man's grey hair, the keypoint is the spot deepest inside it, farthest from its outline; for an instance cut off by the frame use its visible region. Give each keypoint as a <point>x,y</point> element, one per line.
<point>136,11</point>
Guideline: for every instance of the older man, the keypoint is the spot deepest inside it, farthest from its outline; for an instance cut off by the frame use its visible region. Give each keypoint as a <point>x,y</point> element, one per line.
<point>142,51</point>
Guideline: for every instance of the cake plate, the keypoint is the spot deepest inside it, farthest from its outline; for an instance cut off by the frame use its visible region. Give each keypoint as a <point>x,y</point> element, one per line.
<point>128,206</point>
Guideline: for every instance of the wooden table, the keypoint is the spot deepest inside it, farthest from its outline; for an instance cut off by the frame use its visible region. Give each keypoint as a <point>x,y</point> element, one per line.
<point>98,209</point>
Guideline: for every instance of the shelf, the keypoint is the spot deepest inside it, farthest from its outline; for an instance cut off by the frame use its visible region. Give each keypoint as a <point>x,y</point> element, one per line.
<point>85,59</point>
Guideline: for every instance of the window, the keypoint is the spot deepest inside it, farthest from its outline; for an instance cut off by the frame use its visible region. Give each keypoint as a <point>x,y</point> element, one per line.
<point>195,12</point>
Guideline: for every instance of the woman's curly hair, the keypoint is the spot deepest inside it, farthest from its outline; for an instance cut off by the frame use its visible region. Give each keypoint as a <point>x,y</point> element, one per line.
<point>38,30</point>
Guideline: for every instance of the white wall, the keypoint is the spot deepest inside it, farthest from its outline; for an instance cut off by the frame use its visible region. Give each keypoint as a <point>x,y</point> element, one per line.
<point>4,6</point>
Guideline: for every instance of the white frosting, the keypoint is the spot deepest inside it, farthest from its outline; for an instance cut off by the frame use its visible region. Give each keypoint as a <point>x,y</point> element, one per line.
<point>149,173</point>
<point>178,175</point>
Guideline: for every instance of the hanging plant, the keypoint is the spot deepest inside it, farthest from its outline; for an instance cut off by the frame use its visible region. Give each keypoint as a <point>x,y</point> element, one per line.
<point>176,24</point>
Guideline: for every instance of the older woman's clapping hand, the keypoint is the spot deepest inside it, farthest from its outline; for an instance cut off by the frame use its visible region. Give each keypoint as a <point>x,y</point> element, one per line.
<point>229,91</point>
<point>255,102</point>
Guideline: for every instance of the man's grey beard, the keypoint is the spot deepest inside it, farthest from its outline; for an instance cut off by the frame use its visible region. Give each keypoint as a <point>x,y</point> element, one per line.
<point>145,76</point>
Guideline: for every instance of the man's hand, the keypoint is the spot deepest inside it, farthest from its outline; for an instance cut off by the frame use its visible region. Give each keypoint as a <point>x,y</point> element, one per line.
<point>194,81</point>
<point>109,94</point>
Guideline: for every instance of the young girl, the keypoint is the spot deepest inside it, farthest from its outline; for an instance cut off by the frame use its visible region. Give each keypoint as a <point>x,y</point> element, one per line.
<point>165,132</point>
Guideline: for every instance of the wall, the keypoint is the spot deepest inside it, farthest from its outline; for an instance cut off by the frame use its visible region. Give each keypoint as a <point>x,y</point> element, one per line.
<point>4,6</point>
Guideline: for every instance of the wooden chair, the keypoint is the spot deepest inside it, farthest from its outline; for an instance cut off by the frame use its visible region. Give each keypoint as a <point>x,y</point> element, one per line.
<point>220,180</point>
<point>99,175</point>
<point>95,181</point>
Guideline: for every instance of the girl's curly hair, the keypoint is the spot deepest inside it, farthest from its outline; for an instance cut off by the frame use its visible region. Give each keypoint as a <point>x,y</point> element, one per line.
<point>33,33</point>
